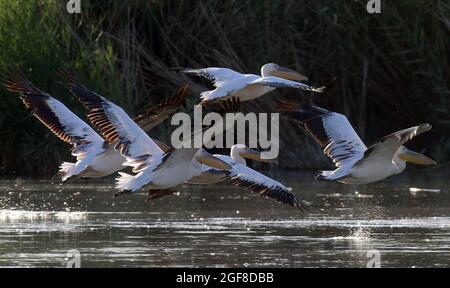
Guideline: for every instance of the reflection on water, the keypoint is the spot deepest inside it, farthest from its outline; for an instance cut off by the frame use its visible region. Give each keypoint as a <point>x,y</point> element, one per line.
<point>406,219</point>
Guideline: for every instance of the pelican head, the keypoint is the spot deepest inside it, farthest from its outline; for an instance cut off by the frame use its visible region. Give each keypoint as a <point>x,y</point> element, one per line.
<point>240,152</point>
<point>272,69</point>
<point>413,157</point>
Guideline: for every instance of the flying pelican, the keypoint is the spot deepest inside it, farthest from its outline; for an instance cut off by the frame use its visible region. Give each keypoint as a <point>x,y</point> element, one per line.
<point>95,158</point>
<point>159,171</point>
<point>230,83</point>
<point>242,176</point>
<point>356,163</point>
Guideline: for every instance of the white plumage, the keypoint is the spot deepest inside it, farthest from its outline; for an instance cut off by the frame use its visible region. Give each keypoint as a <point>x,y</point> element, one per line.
<point>155,168</point>
<point>242,176</point>
<point>87,144</point>
<point>356,164</point>
<point>246,87</point>
<point>95,157</point>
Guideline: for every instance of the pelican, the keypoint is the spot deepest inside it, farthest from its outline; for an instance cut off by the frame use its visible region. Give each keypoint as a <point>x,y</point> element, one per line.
<point>159,171</point>
<point>230,83</point>
<point>242,176</point>
<point>356,164</point>
<point>95,158</point>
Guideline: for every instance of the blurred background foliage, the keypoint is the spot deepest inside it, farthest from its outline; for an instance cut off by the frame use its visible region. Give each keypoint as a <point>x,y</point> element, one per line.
<point>392,69</point>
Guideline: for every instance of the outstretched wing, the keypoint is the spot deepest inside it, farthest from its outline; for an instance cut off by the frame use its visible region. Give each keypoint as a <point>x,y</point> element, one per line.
<point>214,74</point>
<point>228,105</point>
<point>242,176</point>
<point>55,116</point>
<point>331,130</point>
<point>253,181</point>
<point>114,124</point>
<point>276,82</point>
<point>155,115</point>
<point>386,147</point>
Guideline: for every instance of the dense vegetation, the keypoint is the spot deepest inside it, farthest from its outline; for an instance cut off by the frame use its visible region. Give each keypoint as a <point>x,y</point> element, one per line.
<point>392,68</point>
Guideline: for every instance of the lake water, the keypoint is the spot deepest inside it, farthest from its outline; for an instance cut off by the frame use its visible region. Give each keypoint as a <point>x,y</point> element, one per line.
<point>389,223</point>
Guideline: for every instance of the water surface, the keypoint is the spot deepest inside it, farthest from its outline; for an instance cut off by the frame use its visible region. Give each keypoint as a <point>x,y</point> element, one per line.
<point>222,226</point>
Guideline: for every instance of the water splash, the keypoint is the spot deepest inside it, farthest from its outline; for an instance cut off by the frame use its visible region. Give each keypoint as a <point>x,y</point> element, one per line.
<point>360,234</point>
<point>14,216</point>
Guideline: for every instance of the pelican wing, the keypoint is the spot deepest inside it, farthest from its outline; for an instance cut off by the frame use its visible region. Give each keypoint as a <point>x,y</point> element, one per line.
<point>217,75</point>
<point>56,117</point>
<point>115,125</point>
<point>386,147</point>
<point>229,105</point>
<point>276,82</point>
<point>331,130</point>
<point>155,115</point>
<point>405,135</point>
<point>226,106</point>
<point>253,181</point>
<point>209,176</point>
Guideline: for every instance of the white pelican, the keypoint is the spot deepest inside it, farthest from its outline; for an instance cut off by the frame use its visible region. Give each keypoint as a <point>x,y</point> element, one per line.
<point>154,168</point>
<point>356,163</point>
<point>95,158</point>
<point>242,176</point>
<point>247,87</point>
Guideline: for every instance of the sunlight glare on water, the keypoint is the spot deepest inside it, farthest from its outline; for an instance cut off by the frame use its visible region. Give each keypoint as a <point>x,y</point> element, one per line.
<point>221,226</point>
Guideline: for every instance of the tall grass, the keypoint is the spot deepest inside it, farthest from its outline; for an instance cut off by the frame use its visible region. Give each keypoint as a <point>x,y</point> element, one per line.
<point>37,37</point>
<point>392,69</point>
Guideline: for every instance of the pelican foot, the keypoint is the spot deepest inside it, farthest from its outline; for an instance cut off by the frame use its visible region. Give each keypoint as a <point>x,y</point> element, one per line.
<point>158,193</point>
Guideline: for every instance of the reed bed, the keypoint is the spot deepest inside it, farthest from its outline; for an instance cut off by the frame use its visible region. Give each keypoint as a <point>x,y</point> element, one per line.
<point>392,69</point>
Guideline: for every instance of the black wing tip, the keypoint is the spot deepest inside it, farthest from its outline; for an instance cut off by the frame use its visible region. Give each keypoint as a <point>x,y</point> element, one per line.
<point>287,105</point>
<point>17,82</point>
<point>222,106</point>
<point>278,194</point>
<point>303,113</point>
<point>176,100</point>
<point>181,93</point>
<point>231,105</point>
<point>72,81</point>
<point>85,96</point>
<point>284,105</point>
<point>168,103</point>
<point>302,206</point>
<point>290,199</point>
<point>67,75</point>
<point>12,71</point>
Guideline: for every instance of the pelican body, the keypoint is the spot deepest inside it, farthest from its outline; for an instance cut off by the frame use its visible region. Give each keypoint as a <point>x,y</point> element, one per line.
<point>104,164</point>
<point>356,164</point>
<point>246,87</point>
<point>167,171</point>
<point>153,167</point>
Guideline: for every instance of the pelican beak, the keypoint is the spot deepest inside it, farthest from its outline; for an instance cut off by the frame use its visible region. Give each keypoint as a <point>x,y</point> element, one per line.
<point>416,158</point>
<point>255,155</point>
<point>214,162</point>
<point>289,74</point>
